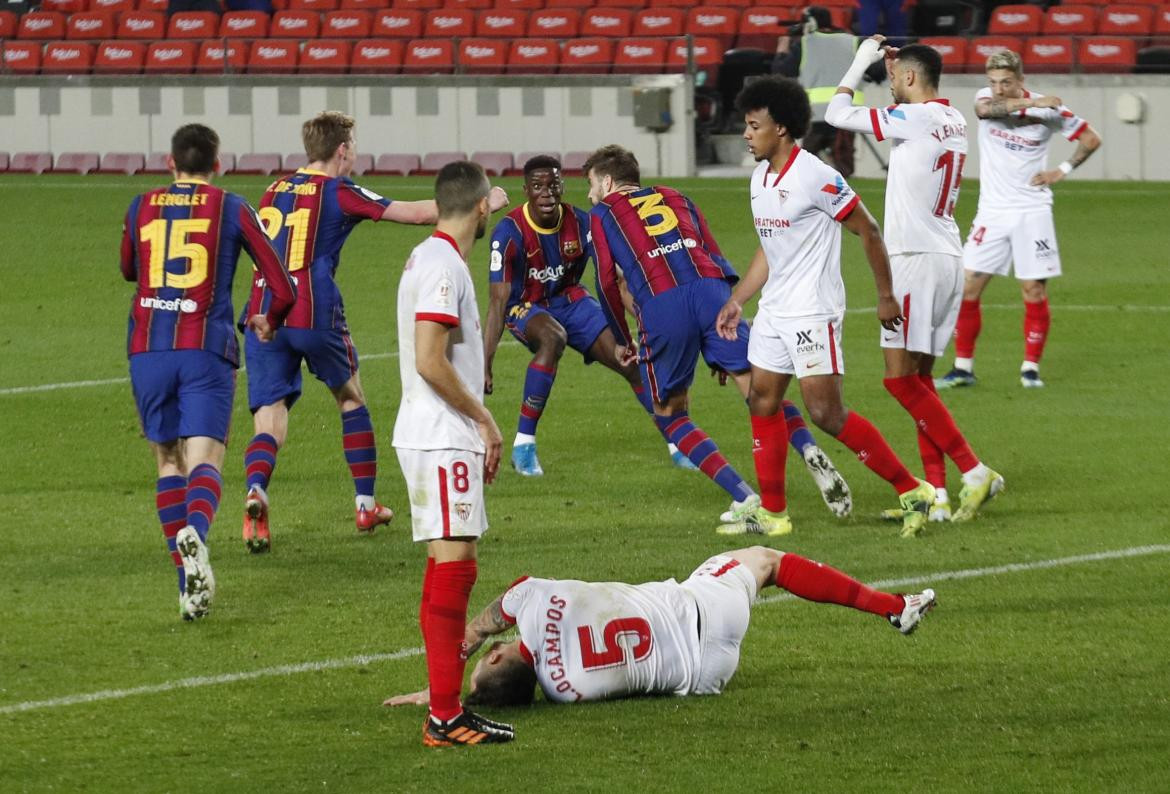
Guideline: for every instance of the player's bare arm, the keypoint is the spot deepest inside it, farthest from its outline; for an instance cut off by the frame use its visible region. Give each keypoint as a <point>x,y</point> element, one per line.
<point>412,212</point>
<point>993,108</point>
<point>868,53</point>
<point>493,329</point>
<point>862,224</point>
<point>488,623</point>
<point>261,327</point>
<point>433,366</point>
<point>1087,143</point>
<point>727,323</point>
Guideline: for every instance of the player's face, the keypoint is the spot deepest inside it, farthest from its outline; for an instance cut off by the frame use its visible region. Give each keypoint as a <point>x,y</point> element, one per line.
<point>485,212</point>
<point>599,187</point>
<point>544,188</point>
<point>762,134</point>
<point>1005,84</point>
<point>495,653</point>
<point>899,77</point>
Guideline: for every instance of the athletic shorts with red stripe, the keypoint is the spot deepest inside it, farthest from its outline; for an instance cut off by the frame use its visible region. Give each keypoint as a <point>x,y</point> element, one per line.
<point>274,368</point>
<point>582,320</point>
<point>446,492</point>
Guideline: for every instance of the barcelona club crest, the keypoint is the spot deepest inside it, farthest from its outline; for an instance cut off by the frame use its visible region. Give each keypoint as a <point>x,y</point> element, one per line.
<point>571,248</point>
<point>463,510</point>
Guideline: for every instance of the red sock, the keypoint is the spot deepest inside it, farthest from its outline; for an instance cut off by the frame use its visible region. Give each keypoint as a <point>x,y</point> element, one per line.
<point>1037,320</point>
<point>934,465</point>
<point>815,581</point>
<point>451,584</point>
<point>770,452</point>
<point>967,328</point>
<point>425,605</point>
<point>932,418</point>
<point>872,450</point>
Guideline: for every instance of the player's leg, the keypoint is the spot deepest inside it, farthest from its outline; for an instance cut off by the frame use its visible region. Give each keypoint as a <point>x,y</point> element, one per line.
<point>1037,321</point>
<point>769,454</point>
<point>171,499</point>
<point>546,338</point>
<point>834,490</point>
<point>1037,259</point>
<point>987,253</point>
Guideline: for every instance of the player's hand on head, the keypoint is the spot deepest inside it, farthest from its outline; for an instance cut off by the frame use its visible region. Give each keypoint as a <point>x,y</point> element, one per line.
<point>497,199</point>
<point>889,315</point>
<point>420,698</point>
<point>259,325</point>
<point>492,443</point>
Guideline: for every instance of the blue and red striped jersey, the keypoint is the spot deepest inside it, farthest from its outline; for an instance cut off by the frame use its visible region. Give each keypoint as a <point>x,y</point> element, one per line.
<point>657,238</point>
<point>309,215</point>
<point>541,265</point>
<point>181,243</point>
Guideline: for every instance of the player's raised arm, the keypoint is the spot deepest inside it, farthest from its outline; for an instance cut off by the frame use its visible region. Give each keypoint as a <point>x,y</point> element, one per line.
<point>414,212</point>
<point>727,323</point>
<point>841,112</point>
<point>992,108</point>
<point>861,223</point>
<point>488,623</point>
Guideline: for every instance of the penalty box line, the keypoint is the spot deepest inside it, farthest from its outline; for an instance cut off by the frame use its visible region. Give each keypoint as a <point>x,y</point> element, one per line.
<point>406,653</point>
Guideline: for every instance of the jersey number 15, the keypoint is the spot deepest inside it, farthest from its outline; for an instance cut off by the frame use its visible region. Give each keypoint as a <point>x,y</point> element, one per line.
<point>167,239</point>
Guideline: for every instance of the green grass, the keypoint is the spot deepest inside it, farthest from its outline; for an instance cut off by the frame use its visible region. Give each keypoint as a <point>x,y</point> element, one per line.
<point>1040,679</point>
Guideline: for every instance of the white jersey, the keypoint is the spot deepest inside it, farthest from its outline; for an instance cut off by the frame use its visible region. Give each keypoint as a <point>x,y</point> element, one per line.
<point>797,215</point>
<point>437,286</point>
<point>1014,149</point>
<point>601,640</point>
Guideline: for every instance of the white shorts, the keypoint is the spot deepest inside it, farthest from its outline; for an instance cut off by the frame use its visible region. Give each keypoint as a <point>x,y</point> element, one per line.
<point>446,492</point>
<point>800,346</point>
<point>929,289</point>
<point>724,590</point>
<point>1027,240</point>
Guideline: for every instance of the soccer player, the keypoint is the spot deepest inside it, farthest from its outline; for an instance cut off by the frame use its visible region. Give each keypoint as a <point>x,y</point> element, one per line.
<point>800,204</point>
<point>309,215</point>
<point>1013,226</point>
<point>447,442</point>
<point>585,641</point>
<point>926,165</point>
<point>180,244</point>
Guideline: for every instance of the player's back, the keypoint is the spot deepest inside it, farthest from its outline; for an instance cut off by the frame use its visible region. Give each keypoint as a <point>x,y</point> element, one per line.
<point>542,265</point>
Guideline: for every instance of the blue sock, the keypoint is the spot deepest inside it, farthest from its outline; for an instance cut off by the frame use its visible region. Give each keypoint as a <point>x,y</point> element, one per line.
<point>798,433</point>
<point>171,500</point>
<point>538,385</point>
<point>696,445</point>
<point>361,451</point>
<point>204,485</point>
<point>260,460</point>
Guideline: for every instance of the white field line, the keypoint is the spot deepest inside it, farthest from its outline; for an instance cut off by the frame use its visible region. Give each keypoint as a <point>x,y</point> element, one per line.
<point>406,653</point>
<point>1123,307</point>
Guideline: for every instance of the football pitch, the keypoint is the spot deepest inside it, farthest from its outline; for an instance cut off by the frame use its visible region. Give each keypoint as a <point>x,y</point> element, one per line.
<point>1046,665</point>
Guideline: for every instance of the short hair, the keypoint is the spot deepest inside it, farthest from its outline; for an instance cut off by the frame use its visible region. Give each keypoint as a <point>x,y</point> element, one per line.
<point>821,15</point>
<point>541,162</point>
<point>509,682</point>
<point>459,187</point>
<point>616,162</point>
<point>785,99</point>
<point>323,133</point>
<point>1005,59</point>
<point>926,60</point>
<point>195,147</point>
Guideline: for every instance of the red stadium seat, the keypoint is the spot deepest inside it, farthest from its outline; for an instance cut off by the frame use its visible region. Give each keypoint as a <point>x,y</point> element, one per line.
<point>417,5</point>
<point>1015,20</point>
<point>170,57</point>
<point>67,57</point>
<point>216,58</point>
<point>272,57</point>
<point>1048,54</point>
<point>841,16</point>
<point>115,7</point>
<point>30,162</point>
<point>8,25</point>
<point>633,5</point>
<point>573,162</point>
<point>63,6</point>
<point>295,25</point>
<point>397,23</point>
<point>227,163</point>
<point>429,56</point>
<point>320,6</point>
<point>90,25</point>
<point>483,56</point>
<point>153,5</point>
<point>1070,20</point>
<point>526,5</point>
<point>953,50</point>
<point>348,24</point>
<point>3,161</point>
<point>363,163</point>
<point>22,57</point>
<point>326,56</point>
<point>518,162</point>
<point>121,163</point>
<point>494,163</point>
<point>720,23</point>
<point>580,5</point>
<point>612,22</point>
<point>1126,20</point>
<point>708,54</point>
<point>431,163</point>
<point>587,56</point>
<point>1162,25</point>
<point>983,47</point>
<point>683,4</point>
<point>192,25</point>
<point>376,56</point>
<point>560,23</point>
<point>664,22</point>
<point>294,162</point>
<point>244,24</point>
<point>119,57</point>
<point>760,27</point>
<point>533,56</point>
<point>467,5</point>
<point>142,25</point>
<point>1115,55</point>
<point>501,23</point>
<point>402,164</point>
<point>156,163</point>
<point>640,56</point>
<point>42,25</point>
<point>366,5</point>
<point>76,162</point>
<point>448,24</point>
<point>257,164</point>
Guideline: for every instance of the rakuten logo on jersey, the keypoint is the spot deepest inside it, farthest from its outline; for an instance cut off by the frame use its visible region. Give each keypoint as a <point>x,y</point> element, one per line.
<point>184,305</point>
<point>677,245</point>
<point>547,274</point>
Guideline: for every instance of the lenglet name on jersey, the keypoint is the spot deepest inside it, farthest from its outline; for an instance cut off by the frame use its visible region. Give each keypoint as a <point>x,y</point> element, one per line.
<point>178,200</point>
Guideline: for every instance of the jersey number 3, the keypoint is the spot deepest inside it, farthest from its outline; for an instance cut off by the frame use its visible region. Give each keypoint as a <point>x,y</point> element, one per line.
<point>612,654</point>
<point>650,207</point>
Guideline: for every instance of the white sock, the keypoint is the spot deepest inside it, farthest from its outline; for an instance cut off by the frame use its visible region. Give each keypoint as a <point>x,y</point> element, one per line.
<point>259,490</point>
<point>940,496</point>
<point>976,475</point>
<point>1029,366</point>
<point>671,448</point>
<point>965,364</point>
<point>366,502</point>
<point>523,438</point>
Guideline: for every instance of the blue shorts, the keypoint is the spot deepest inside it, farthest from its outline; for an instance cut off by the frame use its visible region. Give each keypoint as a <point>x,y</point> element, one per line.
<point>274,368</point>
<point>582,320</point>
<point>183,393</point>
<point>676,326</point>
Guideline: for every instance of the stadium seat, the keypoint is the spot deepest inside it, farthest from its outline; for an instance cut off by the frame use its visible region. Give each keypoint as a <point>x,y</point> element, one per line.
<point>227,163</point>
<point>760,27</point>
<point>376,56</point>
<point>3,161</point>
<point>708,56</point>
<point>483,56</point>
<point>683,4</point>
<point>320,6</point>
<point>396,23</point>
<point>572,162</point>
<point>170,57</point>
<point>639,56</point>
<point>272,57</point>
<point>1070,20</point>
<point>526,5</point>
<point>533,56</point>
<point>1126,20</point>
<point>142,25</point>
<point>67,57</point>
<point>658,22</point>
<point>364,5</point>
<point>1114,55</point>
<point>467,5</point>
<point>294,162</point>
<point>244,24</point>
<point>432,162</point>
<point>501,23</point>
<point>121,163</point>
<point>76,162</point>
<point>295,25</point>
<point>1015,20</point>
<point>449,24</point>
<point>587,56</point>
<point>30,162</point>
<point>939,18</point>
<point>953,50</point>
<point>633,5</point>
<point>1161,26</point>
<point>519,160</point>
<point>62,6</point>
<point>115,7</point>
<point>559,23</point>
<point>363,163</point>
<point>156,163</point>
<point>216,58</point>
<point>326,56</point>
<point>401,164</point>
<point>8,25</point>
<point>90,25</point>
<point>429,56</point>
<point>263,164</point>
<point>494,163</point>
<point>417,5</point>
<point>155,5</point>
<point>348,24</point>
<point>983,47</point>
<point>119,57</point>
<point>1048,54</point>
<point>42,25</point>
<point>1153,60</point>
<point>612,22</point>
<point>192,25</point>
<point>22,57</point>
<point>720,23</point>
<point>580,5</point>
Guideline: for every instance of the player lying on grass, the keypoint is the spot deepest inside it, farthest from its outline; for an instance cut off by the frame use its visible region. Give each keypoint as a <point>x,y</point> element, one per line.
<point>605,640</point>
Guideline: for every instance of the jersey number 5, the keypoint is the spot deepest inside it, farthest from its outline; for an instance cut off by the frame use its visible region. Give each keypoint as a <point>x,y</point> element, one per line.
<point>298,223</point>
<point>948,191</point>
<point>612,654</point>
<point>651,206</point>
<point>168,240</point>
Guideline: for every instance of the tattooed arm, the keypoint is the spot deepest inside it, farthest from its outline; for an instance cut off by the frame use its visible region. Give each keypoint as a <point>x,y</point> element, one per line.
<point>486,624</point>
<point>991,108</point>
<point>1088,142</point>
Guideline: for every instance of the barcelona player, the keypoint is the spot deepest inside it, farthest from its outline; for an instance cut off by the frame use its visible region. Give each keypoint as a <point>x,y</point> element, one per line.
<point>180,244</point>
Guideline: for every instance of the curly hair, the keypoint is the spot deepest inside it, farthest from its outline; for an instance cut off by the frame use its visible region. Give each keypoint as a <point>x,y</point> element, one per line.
<point>785,99</point>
